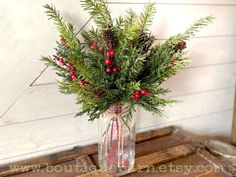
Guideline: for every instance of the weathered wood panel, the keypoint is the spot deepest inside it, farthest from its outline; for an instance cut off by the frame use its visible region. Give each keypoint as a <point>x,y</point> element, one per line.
<point>42,137</point>
<point>92,149</point>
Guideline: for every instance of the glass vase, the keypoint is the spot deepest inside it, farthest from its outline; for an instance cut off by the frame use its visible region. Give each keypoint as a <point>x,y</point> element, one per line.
<point>116,146</point>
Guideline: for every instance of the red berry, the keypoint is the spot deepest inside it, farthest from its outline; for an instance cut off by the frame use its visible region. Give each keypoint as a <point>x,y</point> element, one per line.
<point>112,53</point>
<point>137,93</point>
<point>58,59</point>
<point>108,54</point>
<point>71,68</point>
<point>108,62</point>
<point>114,70</point>
<point>144,92</point>
<point>135,97</point>
<point>81,82</point>
<point>94,44</point>
<point>108,70</point>
<point>72,73</point>
<point>101,49</point>
<point>73,77</point>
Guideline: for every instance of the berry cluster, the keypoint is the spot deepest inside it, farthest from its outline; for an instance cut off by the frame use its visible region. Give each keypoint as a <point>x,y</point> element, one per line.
<point>69,66</point>
<point>108,62</point>
<point>137,94</point>
<point>73,76</point>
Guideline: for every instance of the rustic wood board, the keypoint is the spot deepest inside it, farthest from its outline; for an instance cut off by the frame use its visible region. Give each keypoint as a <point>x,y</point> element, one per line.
<point>78,151</point>
<point>153,149</point>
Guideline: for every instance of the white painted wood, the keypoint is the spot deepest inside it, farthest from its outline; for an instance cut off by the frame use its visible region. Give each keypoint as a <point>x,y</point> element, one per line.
<point>49,76</point>
<point>47,136</point>
<point>15,78</point>
<point>40,103</point>
<point>201,79</point>
<point>200,2</point>
<point>191,106</point>
<point>212,51</point>
<point>202,51</point>
<point>24,31</point>
<point>45,102</point>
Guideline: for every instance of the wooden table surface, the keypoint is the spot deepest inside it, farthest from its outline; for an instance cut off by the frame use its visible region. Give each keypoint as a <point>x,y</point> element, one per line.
<point>159,153</point>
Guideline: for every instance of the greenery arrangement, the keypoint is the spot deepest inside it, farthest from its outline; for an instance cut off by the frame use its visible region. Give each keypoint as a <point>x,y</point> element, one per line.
<point>120,61</point>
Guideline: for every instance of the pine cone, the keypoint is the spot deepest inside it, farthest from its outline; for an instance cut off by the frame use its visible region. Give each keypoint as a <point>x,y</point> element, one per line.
<point>180,46</point>
<point>110,39</point>
<point>144,42</point>
<point>98,94</point>
<point>64,42</point>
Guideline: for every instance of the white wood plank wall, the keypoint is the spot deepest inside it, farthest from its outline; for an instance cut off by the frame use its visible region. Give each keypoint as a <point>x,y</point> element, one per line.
<point>36,119</point>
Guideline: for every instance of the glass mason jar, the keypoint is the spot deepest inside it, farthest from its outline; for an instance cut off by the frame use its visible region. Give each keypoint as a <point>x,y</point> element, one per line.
<point>116,146</point>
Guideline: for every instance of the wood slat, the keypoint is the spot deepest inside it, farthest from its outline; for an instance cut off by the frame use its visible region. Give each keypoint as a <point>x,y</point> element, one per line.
<point>151,134</point>
<point>160,157</point>
<point>158,144</point>
<point>192,165</point>
<point>97,173</point>
<point>79,151</point>
<point>212,174</point>
<point>163,156</point>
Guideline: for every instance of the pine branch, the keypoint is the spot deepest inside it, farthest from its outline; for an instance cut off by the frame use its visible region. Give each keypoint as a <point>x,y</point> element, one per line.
<point>146,17</point>
<point>136,67</point>
<point>190,32</point>
<point>99,12</point>
<point>50,62</point>
<point>197,26</point>
<point>66,30</point>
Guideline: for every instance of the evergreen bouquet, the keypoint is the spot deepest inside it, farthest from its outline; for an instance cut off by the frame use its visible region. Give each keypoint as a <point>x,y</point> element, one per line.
<point>119,62</point>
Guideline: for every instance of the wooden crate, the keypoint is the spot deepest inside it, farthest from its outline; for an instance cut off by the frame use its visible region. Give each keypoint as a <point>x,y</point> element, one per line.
<point>161,152</point>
